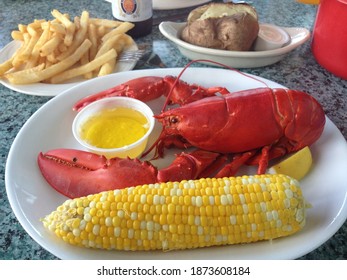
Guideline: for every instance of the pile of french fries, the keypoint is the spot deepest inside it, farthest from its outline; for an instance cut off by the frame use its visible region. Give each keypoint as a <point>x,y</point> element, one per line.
<point>60,49</point>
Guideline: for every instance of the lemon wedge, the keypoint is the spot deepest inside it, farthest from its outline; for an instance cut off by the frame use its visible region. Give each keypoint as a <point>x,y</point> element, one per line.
<point>296,165</point>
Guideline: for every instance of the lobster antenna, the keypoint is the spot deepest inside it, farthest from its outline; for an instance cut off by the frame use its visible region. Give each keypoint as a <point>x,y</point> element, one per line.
<point>159,139</point>
<point>174,84</point>
<point>209,61</point>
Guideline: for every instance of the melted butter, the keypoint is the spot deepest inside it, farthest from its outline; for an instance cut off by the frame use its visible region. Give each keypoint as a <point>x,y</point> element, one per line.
<point>114,128</point>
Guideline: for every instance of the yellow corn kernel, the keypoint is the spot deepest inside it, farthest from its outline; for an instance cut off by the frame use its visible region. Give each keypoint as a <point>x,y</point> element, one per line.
<point>182,215</point>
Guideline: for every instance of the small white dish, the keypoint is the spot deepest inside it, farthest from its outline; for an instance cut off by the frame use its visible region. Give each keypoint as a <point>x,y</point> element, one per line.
<point>271,37</point>
<point>176,4</point>
<point>44,89</point>
<point>132,150</point>
<point>236,59</point>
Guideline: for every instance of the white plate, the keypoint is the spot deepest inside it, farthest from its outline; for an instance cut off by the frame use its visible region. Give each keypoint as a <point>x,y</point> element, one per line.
<point>176,4</point>
<point>51,89</point>
<point>32,198</point>
<point>236,59</point>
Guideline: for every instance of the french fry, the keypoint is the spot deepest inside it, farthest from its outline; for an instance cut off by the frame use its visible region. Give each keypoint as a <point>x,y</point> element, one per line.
<point>34,58</point>
<point>17,35</point>
<point>62,18</point>
<point>17,60</point>
<point>32,31</point>
<point>84,21</point>
<point>36,24</point>
<point>122,28</point>
<point>30,71</point>
<point>77,22</point>
<point>62,48</point>
<point>38,76</point>
<point>55,26</point>
<point>105,22</point>
<point>101,31</point>
<point>70,26</point>
<point>58,28</point>
<point>108,44</point>
<point>69,35</point>
<point>92,36</point>
<point>22,28</point>
<point>5,66</point>
<point>79,37</point>
<point>85,60</point>
<point>29,48</point>
<point>81,70</point>
<point>51,45</point>
<point>8,64</point>
<point>48,64</point>
<point>52,58</point>
<point>125,41</point>
<point>107,68</point>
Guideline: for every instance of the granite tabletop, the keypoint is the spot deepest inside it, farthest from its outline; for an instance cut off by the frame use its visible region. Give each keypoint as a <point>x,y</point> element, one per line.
<point>298,70</point>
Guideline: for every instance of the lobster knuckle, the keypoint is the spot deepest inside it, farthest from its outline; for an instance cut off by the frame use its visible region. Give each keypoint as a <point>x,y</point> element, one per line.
<point>187,165</point>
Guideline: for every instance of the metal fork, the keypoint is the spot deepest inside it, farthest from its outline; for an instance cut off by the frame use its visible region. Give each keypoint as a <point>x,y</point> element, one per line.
<point>131,55</point>
<point>153,60</point>
<point>144,56</point>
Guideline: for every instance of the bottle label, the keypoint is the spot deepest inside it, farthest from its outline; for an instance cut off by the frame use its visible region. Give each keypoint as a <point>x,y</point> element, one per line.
<point>132,10</point>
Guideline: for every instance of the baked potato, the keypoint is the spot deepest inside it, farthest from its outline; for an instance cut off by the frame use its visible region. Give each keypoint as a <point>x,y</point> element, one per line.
<point>225,26</point>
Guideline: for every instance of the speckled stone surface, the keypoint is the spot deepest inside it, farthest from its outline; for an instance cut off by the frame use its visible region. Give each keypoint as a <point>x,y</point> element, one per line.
<point>298,70</point>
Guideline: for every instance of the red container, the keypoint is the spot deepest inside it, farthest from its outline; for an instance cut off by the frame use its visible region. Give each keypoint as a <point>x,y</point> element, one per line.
<point>329,41</point>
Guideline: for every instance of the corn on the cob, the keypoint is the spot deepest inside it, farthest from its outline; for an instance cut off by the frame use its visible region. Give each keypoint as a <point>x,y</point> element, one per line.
<point>183,215</point>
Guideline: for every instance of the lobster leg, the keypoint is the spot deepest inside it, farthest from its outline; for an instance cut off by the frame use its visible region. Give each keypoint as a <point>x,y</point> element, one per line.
<point>213,168</point>
<point>170,141</point>
<point>264,160</point>
<point>236,162</point>
<point>188,166</point>
<point>270,152</point>
<point>183,93</point>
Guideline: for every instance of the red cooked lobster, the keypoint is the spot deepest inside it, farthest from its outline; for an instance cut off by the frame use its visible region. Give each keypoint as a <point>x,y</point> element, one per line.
<point>229,130</point>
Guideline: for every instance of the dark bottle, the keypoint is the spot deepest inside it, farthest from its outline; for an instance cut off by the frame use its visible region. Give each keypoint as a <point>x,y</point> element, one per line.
<point>138,12</point>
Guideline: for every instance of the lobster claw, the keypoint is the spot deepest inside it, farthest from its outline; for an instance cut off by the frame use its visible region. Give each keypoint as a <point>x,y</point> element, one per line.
<point>76,173</point>
<point>151,87</point>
